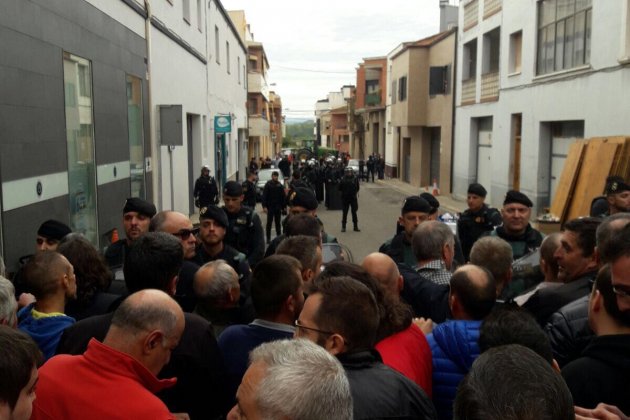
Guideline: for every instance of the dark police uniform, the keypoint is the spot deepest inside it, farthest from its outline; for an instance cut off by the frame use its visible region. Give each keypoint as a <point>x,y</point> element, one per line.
<point>521,244</point>
<point>249,191</point>
<point>349,187</point>
<point>245,234</point>
<point>206,191</point>
<point>471,225</point>
<point>274,201</point>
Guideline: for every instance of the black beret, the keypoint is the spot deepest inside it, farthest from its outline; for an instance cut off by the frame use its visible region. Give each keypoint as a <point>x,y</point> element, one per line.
<point>303,197</point>
<point>477,189</point>
<point>233,189</point>
<point>517,197</point>
<point>215,213</point>
<point>53,229</point>
<point>139,205</point>
<point>615,185</point>
<point>416,203</point>
<point>433,202</point>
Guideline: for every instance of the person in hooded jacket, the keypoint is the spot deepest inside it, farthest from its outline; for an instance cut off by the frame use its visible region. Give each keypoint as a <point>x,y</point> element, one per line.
<point>454,343</point>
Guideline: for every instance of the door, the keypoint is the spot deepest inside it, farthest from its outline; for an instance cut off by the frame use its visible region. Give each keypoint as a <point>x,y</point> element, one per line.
<point>563,134</point>
<point>406,159</point>
<point>434,166</point>
<point>484,154</point>
<point>516,152</point>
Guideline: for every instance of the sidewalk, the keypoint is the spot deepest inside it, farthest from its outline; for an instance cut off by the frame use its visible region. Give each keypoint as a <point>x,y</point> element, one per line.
<point>447,204</point>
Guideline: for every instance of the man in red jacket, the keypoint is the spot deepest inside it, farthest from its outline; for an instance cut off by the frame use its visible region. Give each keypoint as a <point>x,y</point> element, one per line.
<point>116,379</point>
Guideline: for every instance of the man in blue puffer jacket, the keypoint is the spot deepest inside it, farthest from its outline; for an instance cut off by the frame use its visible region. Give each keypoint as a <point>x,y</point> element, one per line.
<point>454,343</point>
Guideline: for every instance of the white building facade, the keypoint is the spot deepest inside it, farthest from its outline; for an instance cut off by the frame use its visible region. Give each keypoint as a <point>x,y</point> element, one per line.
<point>534,76</point>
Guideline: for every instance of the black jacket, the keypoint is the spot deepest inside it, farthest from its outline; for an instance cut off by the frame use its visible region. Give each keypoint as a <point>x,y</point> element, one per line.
<point>521,244</point>
<point>273,196</point>
<point>245,234</point>
<point>196,362</point>
<point>349,187</point>
<point>379,392</point>
<point>569,332</point>
<point>601,374</point>
<point>471,225</point>
<point>428,299</point>
<point>545,302</point>
<point>249,191</point>
<point>206,191</point>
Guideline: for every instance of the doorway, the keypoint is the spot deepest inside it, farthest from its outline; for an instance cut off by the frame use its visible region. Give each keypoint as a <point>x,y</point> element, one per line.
<point>436,153</point>
<point>406,159</point>
<point>484,154</point>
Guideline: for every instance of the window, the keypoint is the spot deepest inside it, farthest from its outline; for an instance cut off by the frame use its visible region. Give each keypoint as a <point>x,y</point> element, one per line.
<point>402,88</point>
<point>238,68</point>
<point>438,80</point>
<point>136,136</point>
<point>564,34</point>
<point>491,47</point>
<point>186,7</point>
<point>216,44</point>
<point>199,15</point>
<point>469,67</point>
<point>516,42</point>
<point>252,64</point>
<point>253,106</point>
<point>227,56</point>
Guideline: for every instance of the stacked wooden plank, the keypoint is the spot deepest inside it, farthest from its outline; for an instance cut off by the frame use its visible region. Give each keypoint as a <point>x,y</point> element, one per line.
<point>583,178</point>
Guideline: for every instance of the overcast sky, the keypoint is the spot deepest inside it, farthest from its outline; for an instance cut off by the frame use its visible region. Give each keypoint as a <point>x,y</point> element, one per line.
<point>314,47</point>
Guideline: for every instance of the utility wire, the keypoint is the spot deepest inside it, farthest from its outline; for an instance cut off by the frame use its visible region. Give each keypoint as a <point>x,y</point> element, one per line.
<point>312,71</point>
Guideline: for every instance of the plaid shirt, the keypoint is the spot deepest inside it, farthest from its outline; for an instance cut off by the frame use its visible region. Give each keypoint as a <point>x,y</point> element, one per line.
<point>436,271</point>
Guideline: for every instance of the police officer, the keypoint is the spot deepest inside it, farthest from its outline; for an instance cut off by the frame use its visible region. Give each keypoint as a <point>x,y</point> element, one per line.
<point>206,191</point>
<point>273,203</point>
<point>618,195</point>
<point>349,187</point>
<point>244,230</point>
<point>249,191</point>
<point>477,219</point>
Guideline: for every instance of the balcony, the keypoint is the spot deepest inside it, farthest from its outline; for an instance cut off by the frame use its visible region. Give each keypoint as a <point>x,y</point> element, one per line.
<point>258,127</point>
<point>373,99</point>
<point>256,83</point>
<point>490,7</point>
<point>471,14</point>
<point>490,87</point>
<point>469,91</point>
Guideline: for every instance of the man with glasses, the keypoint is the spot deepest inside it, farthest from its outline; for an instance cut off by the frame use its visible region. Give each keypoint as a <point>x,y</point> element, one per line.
<point>619,256</point>
<point>278,297</point>
<point>341,315</point>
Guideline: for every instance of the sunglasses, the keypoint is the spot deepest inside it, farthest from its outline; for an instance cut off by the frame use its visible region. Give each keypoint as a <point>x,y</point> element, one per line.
<point>185,233</point>
<point>620,290</point>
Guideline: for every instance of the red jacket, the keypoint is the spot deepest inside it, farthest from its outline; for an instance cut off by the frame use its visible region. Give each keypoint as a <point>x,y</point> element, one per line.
<point>409,353</point>
<point>102,383</point>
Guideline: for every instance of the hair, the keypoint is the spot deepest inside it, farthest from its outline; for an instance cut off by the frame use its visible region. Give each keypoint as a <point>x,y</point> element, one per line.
<point>514,325</point>
<point>136,316</point>
<point>157,222</point>
<point>303,224</point>
<point>302,381</point>
<point>92,273</point>
<point>494,254</point>
<point>584,229</point>
<point>512,383</point>
<point>8,304</point>
<point>303,248</point>
<point>548,247</point>
<point>394,316</point>
<point>18,356</point>
<point>224,278</point>
<point>274,279</point>
<point>2,267</point>
<point>603,283</point>
<point>42,273</point>
<point>348,308</point>
<point>477,299</point>
<point>152,261</point>
<point>429,238</point>
<point>608,248</point>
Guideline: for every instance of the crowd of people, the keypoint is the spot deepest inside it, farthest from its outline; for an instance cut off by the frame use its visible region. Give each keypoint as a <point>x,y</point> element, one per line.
<point>179,321</point>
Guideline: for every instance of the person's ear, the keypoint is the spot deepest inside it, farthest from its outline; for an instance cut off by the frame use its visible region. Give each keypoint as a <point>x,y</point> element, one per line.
<point>335,344</point>
<point>401,283</point>
<point>596,301</point>
<point>234,294</point>
<point>151,341</point>
<point>400,220</point>
<point>555,366</point>
<point>171,287</point>
<point>307,275</point>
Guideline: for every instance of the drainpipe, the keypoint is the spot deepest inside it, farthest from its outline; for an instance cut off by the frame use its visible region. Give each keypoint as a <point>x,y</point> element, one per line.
<point>156,179</point>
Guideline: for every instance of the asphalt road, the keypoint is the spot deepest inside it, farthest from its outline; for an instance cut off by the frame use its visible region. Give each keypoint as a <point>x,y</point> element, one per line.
<point>379,208</point>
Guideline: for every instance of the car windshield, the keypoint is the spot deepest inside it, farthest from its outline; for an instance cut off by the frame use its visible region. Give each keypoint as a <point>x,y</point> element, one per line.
<point>264,176</point>
<point>353,162</point>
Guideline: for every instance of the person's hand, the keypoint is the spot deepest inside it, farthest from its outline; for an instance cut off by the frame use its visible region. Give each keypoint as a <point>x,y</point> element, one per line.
<point>601,412</point>
<point>25,299</point>
<point>425,325</point>
<point>181,416</point>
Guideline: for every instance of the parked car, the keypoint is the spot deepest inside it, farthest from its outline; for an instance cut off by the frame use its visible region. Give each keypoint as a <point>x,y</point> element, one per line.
<point>264,175</point>
<point>354,164</point>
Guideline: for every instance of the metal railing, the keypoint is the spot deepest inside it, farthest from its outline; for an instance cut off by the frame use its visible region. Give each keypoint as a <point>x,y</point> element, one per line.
<point>490,86</point>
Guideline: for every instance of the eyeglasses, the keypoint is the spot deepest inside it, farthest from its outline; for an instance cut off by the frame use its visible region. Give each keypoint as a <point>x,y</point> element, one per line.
<point>621,291</point>
<point>298,325</point>
<point>185,233</point>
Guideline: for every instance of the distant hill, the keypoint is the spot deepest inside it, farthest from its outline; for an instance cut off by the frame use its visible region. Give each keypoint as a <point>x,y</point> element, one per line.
<point>291,121</point>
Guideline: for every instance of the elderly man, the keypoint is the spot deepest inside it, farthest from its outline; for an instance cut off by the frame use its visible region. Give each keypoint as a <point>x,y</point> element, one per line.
<point>454,343</point>
<point>384,269</point>
<point>516,230</point>
<point>137,214</point>
<point>8,304</point>
<point>577,266</point>
<point>477,219</point>
<point>144,330</point>
<point>19,359</point>
<point>415,210</point>
<point>50,278</point>
<point>314,378</point>
<point>278,297</point>
<point>218,292</point>
<point>341,315</point>
<point>433,246</point>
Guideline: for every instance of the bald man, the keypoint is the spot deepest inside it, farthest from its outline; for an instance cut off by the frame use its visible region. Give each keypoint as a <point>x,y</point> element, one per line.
<point>383,268</point>
<point>145,329</point>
